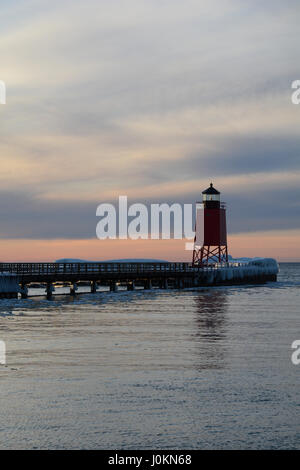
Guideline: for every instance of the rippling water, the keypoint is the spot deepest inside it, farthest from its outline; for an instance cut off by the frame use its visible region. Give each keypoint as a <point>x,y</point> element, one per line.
<point>204,369</point>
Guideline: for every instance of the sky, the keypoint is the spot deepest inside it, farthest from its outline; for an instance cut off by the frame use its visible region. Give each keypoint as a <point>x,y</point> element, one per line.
<point>152,99</point>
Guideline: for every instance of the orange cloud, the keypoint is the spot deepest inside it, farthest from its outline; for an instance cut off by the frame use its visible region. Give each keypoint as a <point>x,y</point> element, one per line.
<point>282,245</point>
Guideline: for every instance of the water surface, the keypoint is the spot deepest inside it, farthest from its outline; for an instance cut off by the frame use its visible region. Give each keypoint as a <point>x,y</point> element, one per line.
<point>203,369</point>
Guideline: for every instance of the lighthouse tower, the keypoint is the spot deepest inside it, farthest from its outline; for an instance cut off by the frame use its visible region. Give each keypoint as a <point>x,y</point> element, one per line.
<point>210,243</point>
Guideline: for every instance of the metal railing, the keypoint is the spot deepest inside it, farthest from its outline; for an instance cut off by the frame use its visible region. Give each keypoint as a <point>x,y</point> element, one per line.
<point>106,268</point>
<point>92,268</point>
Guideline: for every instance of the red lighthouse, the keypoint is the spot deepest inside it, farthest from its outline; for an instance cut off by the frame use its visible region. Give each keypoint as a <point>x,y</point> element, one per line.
<point>210,243</point>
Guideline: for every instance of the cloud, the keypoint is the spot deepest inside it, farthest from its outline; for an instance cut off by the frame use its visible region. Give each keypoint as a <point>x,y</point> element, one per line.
<point>259,202</point>
<point>152,100</point>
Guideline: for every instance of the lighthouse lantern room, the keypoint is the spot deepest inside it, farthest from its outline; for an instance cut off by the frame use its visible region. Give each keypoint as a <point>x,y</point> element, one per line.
<point>210,244</point>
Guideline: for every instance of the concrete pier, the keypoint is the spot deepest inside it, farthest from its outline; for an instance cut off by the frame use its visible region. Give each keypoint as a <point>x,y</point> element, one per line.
<point>49,290</point>
<point>24,291</point>
<point>93,287</point>
<point>148,284</point>
<point>14,277</point>
<point>113,287</point>
<point>73,289</point>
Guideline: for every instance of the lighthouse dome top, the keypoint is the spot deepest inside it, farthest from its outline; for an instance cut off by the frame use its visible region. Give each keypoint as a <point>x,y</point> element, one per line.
<point>211,190</point>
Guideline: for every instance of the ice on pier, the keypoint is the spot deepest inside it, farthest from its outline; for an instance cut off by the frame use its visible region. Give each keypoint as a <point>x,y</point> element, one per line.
<point>8,283</point>
<point>236,270</point>
<point>239,270</point>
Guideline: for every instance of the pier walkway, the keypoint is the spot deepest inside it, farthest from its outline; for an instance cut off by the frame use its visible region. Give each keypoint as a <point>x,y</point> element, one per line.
<point>163,275</point>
